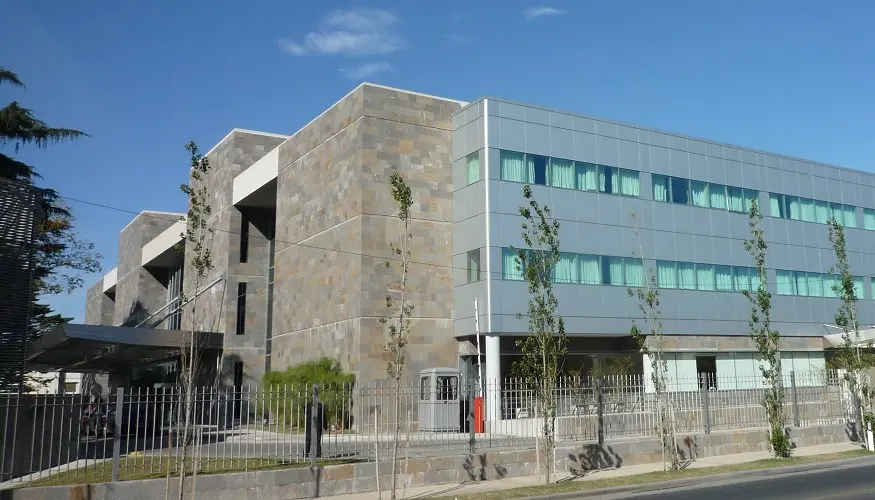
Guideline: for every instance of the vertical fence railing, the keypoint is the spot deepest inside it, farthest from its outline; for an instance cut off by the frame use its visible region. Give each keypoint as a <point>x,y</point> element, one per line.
<point>138,432</point>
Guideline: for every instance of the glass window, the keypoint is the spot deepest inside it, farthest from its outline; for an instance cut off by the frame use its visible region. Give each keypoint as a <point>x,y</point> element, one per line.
<point>666,274</point>
<point>609,181</point>
<point>562,173</point>
<point>742,279</point>
<point>686,276</point>
<point>859,290</point>
<point>829,286</point>
<point>700,194</point>
<point>801,284</point>
<point>815,285</point>
<point>751,196</point>
<point>776,205</point>
<point>241,309</point>
<point>566,270</point>
<point>473,266</point>
<point>718,196</point>
<point>537,169</point>
<point>837,213</point>
<point>793,209</point>
<point>723,276</point>
<point>473,167</point>
<point>587,176</point>
<point>660,187</point>
<point>680,191</point>
<point>590,273</point>
<point>634,270</point>
<point>872,287</point>
<point>446,389</point>
<point>513,166</point>
<point>424,389</point>
<point>511,266</point>
<point>735,199</point>
<point>630,183</point>
<point>869,219</point>
<point>807,209</point>
<point>612,271</point>
<point>849,215</point>
<point>821,212</point>
<point>754,278</point>
<point>786,283</point>
<point>705,277</point>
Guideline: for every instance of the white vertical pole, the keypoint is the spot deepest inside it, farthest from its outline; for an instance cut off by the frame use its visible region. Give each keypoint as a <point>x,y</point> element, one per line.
<point>493,377</point>
<point>479,364</point>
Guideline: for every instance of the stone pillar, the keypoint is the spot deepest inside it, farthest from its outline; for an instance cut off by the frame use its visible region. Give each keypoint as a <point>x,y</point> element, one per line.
<point>493,377</point>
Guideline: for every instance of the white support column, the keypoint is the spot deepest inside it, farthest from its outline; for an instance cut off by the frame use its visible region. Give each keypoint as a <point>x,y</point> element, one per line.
<point>493,377</point>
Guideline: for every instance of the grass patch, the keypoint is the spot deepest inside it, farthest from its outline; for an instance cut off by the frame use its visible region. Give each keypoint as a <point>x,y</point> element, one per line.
<point>135,468</point>
<point>655,477</point>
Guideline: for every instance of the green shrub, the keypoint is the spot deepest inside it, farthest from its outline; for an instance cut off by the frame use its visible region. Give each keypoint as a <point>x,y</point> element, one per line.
<point>286,393</point>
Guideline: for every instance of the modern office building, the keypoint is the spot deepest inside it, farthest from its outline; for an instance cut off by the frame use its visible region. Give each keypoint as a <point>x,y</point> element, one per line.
<point>302,226</point>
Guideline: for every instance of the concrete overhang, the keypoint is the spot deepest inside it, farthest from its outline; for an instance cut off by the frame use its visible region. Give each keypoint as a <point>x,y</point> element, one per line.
<point>251,186</point>
<point>164,250</point>
<point>109,280</point>
<point>88,348</point>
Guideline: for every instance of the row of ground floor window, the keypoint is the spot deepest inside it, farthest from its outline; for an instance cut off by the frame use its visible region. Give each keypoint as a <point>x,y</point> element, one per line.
<point>685,371</point>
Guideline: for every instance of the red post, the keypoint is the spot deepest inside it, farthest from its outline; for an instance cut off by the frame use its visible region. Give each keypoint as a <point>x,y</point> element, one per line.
<point>479,425</point>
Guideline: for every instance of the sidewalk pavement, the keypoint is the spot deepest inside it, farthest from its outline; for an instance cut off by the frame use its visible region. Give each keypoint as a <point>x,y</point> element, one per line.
<point>449,490</point>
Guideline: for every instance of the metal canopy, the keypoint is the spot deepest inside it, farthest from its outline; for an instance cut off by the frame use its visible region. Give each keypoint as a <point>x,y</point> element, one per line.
<point>99,348</point>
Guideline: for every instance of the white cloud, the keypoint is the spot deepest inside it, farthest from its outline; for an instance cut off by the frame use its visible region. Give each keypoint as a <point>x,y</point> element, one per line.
<point>457,39</point>
<point>366,70</point>
<point>536,12</point>
<point>349,33</point>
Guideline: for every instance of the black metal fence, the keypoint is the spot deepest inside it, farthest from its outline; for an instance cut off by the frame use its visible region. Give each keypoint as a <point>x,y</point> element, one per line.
<point>137,433</point>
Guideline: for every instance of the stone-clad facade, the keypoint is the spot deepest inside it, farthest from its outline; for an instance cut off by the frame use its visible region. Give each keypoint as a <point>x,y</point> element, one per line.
<point>99,307</point>
<point>217,306</point>
<point>333,242</point>
<point>140,291</point>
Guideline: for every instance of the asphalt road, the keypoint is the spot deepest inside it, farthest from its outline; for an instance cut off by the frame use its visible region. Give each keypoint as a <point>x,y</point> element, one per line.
<point>856,482</point>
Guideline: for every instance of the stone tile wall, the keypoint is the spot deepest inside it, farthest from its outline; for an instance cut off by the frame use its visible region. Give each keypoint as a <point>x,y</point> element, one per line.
<point>140,291</point>
<point>333,242</point>
<point>216,308</point>
<point>99,307</point>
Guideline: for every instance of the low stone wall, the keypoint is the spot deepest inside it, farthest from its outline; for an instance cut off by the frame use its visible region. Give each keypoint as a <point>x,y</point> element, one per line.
<point>335,480</point>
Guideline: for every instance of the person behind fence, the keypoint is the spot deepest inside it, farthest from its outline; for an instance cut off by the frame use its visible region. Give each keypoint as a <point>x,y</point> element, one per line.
<point>323,424</point>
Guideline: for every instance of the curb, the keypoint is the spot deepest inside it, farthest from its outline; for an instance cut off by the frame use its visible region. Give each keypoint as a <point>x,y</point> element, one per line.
<point>709,480</point>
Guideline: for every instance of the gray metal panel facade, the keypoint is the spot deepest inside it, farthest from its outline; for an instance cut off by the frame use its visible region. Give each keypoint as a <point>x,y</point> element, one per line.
<point>596,223</point>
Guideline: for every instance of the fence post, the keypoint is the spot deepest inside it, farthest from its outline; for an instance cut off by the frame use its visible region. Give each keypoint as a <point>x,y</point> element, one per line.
<point>703,378</point>
<point>795,396</point>
<point>471,422</point>
<point>116,432</point>
<point>600,405</point>
<point>314,421</point>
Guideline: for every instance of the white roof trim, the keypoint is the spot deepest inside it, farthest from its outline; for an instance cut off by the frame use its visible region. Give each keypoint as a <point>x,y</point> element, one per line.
<point>157,214</point>
<point>463,103</point>
<point>163,242</point>
<point>260,173</point>
<point>245,131</point>
<point>110,279</point>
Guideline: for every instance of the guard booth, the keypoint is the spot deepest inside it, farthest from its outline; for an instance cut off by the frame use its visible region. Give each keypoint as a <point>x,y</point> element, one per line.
<point>439,404</point>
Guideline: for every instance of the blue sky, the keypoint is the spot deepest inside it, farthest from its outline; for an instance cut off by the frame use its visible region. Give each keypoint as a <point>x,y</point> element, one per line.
<point>143,78</point>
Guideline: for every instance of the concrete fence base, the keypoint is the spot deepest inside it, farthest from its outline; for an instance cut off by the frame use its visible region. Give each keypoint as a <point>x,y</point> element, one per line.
<point>577,459</point>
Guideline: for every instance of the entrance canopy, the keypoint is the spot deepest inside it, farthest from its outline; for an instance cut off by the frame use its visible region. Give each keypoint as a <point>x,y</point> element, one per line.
<point>99,348</point>
<point>867,335</point>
